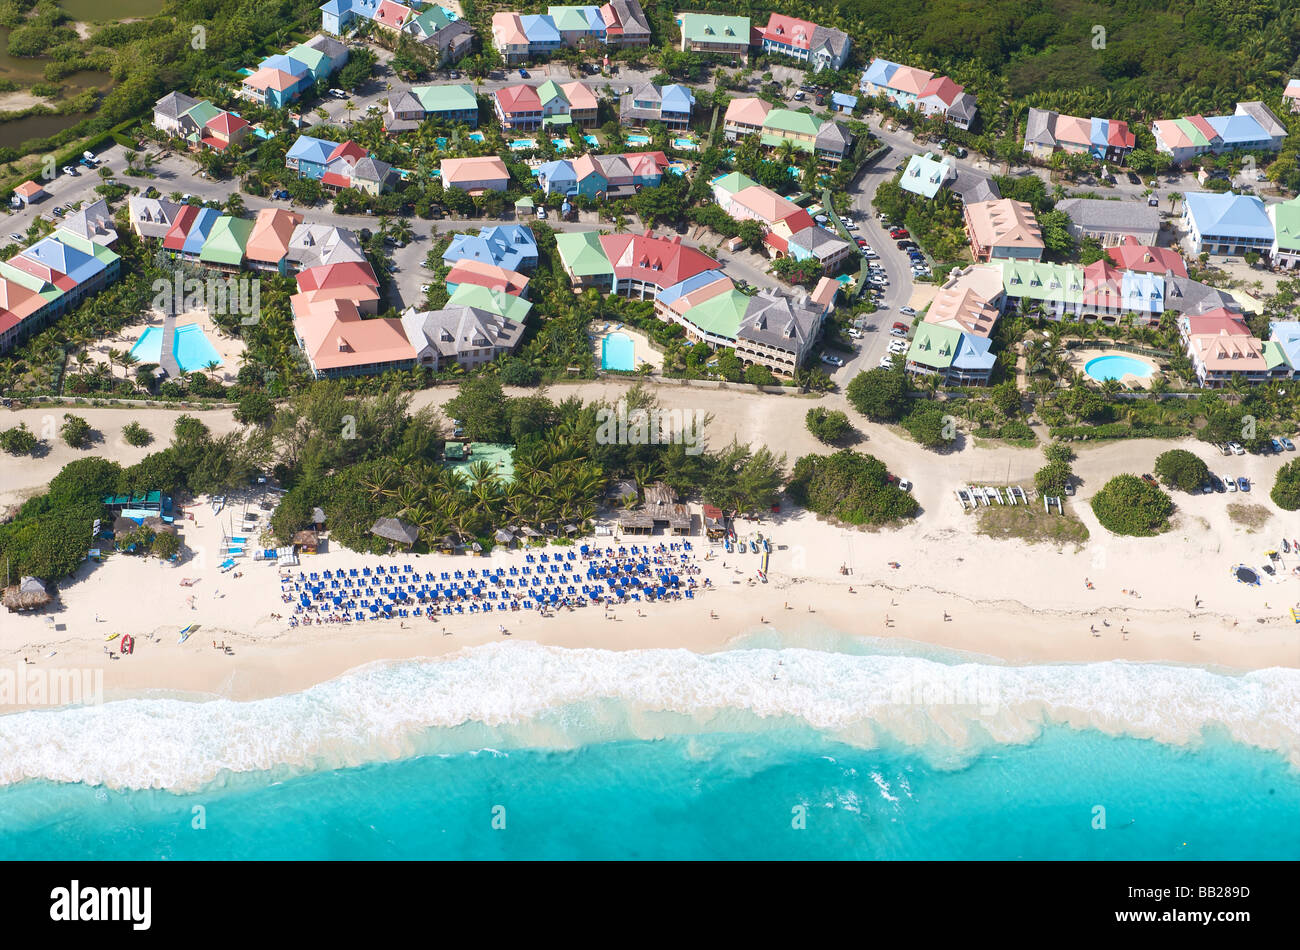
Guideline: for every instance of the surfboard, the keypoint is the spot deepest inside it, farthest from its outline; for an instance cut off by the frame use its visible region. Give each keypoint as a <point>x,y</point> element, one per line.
<point>185,634</point>
<point>112,636</point>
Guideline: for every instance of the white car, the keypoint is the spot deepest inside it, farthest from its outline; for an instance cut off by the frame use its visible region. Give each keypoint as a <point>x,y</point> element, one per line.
<point>905,484</point>
<point>886,362</point>
<point>907,310</point>
<point>1236,449</point>
<point>1229,482</point>
<point>832,360</point>
<point>898,346</point>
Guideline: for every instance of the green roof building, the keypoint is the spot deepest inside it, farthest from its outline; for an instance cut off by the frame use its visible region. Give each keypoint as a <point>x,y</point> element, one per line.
<point>934,347</point>
<point>502,304</point>
<point>733,183</point>
<point>712,33</point>
<point>585,260</point>
<point>719,317</point>
<point>226,242</point>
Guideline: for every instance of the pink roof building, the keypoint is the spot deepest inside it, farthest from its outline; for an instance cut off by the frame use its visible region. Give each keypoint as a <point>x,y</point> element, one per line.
<point>501,279</point>
<point>1130,255</point>
<point>747,114</point>
<point>581,99</point>
<point>392,15</point>
<point>789,31</point>
<point>1003,229</point>
<point>475,175</point>
<point>653,260</point>
<point>910,79</point>
<point>268,242</point>
<point>970,301</point>
<point>270,78</point>
<point>337,341</point>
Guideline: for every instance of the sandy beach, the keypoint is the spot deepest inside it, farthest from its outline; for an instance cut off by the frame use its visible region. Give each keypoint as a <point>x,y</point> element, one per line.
<point>1170,599</point>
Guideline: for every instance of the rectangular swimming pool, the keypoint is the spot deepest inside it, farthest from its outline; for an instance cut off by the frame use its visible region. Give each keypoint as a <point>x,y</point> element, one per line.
<point>618,351</point>
<point>191,347</point>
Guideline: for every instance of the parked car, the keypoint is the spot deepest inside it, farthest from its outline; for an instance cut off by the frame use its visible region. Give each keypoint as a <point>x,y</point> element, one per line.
<point>898,346</point>
<point>886,361</point>
<point>851,225</point>
<point>1277,445</point>
<point>798,96</point>
<point>1153,202</point>
<point>1132,178</point>
<point>905,484</point>
<point>861,242</point>
<point>832,360</point>
<point>1216,483</point>
<point>16,236</point>
<point>907,310</point>
<point>454,74</point>
<point>1230,482</point>
<point>1236,449</point>
<point>897,233</point>
<point>1243,483</point>
<point>523,73</point>
<point>69,170</point>
<point>898,332</point>
<point>1287,444</point>
<point>541,213</point>
<point>1149,479</point>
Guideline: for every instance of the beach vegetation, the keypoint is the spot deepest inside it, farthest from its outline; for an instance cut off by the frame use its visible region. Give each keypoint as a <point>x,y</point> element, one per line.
<point>136,434</point>
<point>19,440</point>
<point>75,431</point>
<point>1053,478</point>
<point>879,394</point>
<point>1128,505</point>
<point>1286,486</point>
<point>49,545</point>
<point>852,487</point>
<point>1031,524</point>
<point>929,424</point>
<point>1250,517</point>
<point>828,425</point>
<point>255,408</point>
<point>84,480</point>
<point>165,545</point>
<point>1178,468</point>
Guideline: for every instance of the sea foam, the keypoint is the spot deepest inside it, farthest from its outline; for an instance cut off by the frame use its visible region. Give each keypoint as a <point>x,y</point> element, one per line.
<point>521,694</point>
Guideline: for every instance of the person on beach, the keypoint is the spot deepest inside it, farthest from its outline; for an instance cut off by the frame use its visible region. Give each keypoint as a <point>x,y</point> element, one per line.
<point>945,616</point>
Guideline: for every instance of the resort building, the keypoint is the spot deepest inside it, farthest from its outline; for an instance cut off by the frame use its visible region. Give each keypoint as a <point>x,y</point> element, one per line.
<point>957,358</point>
<point>198,122</point>
<point>1218,357</point>
<point>450,103</point>
<point>317,158</point>
<point>713,33</point>
<point>1291,95</point>
<point>94,223</point>
<point>525,108</point>
<point>643,265</point>
<point>519,38</point>
<point>820,47</point>
<point>828,140</point>
<point>28,193</point>
<point>1226,225</point>
<point>475,175</point>
<point>672,105</point>
<point>268,242</point>
<point>41,283</point>
<point>970,301</point>
<point>602,176</point>
<point>579,27</point>
<point>1110,222</point>
<point>1131,254</point>
<point>499,280</point>
<point>925,175</point>
<point>151,218</point>
<point>284,77</point>
<point>1047,132</point>
<point>625,24</point>
<point>509,246</point>
<point>1251,128</point>
<point>1003,229</point>
<point>790,230</point>
<point>438,29</point>
<point>223,250</point>
<point>465,335</point>
<point>1285,219</point>
<point>168,110</point>
<point>337,341</point>
<point>919,90</point>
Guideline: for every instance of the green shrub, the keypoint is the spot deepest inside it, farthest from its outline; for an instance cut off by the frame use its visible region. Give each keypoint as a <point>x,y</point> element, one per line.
<point>1129,505</point>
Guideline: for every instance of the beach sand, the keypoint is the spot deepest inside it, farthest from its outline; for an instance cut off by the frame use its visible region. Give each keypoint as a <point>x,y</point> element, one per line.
<point>1007,599</point>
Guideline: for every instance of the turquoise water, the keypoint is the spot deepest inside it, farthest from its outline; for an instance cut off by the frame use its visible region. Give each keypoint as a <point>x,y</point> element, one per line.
<point>879,750</point>
<point>476,137</point>
<point>191,347</point>
<point>521,144</point>
<point>1115,367</point>
<point>617,351</point>
<point>638,139</point>
<point>561,145</point>
<point>591,140</point>
<point>685,145</point>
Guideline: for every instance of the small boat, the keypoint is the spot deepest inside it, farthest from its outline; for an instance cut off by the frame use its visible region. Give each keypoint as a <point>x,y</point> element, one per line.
<point>128,644</point>
<point>218,502</point>
<point>112,636</point>
<point>1286,546</point>
<point>753,547</point>
<point>185,634</point>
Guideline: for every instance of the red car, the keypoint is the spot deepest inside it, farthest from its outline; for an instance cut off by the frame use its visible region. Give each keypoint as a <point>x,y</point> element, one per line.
<point>899,233</point>
<point>900,326</point>
<point>862,242</point>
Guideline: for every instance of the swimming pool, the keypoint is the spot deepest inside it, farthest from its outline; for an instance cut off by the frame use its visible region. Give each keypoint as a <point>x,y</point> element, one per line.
<point>1115,366</point>
<point>191,346</point>
<point>684,145</point>
<point>638,139</point>
<point>591,140</point>
<point>520,144</point>
<point>560,145</point>
<point>617,351</point>
<point>476,137</point>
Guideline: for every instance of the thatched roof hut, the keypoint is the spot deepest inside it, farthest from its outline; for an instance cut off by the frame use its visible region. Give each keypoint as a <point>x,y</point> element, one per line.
<point>306,540</point>
<point>530,532</point>
<point>124,525</point>
<point>396,530</point>
<point>28,594</point>
<point>158,526</point>
<point>504,537</point>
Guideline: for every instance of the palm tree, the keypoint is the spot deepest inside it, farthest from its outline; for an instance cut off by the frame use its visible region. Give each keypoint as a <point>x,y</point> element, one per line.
<point>1174,198</point>
<point>114,357</point>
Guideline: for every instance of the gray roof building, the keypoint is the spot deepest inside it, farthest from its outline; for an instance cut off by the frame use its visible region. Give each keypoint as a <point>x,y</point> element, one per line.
<point>821,243</point>
<point>1109,221</point>
<point>174,105</point>
<point>466,335</point>
<point>151,217</point>
<point>775,321</point>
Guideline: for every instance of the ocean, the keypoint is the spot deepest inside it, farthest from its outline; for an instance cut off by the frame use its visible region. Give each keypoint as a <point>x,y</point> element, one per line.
<point>834,749</point>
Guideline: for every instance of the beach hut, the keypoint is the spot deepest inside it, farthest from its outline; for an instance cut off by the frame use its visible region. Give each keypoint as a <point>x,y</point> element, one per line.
<point>158,526</point>
<point>715,526</point>
<point>636,522</point>
<point>28,594</point>
<point>396,530</point>
<point>318,518</point>
<point>504,537</point>
<point>306,541</point>
<point>449,544</point>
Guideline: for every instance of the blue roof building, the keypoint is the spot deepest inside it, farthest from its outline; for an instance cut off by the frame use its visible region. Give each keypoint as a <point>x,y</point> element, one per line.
<point>543,35</point>
<point>1226,224</point>
<point>198,234</point>
<point>512,246</point>
<point>843,102</point>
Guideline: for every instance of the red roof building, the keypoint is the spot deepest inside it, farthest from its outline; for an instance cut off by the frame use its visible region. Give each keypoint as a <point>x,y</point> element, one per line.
<point>1130,255</point>
<point>646,260</point>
